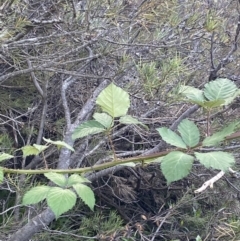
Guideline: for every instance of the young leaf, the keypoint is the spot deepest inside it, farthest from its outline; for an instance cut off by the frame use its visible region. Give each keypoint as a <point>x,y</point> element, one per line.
<point>128,120</point>
<point>104,119</point>
<point>218,160</point>
<point>220,89</point>
<point>60,200</point>
<point>30,150</point>
<point>198,238</point>
<point>86,194</point>
<point>230,99</point>
<point>57,178</point>
<point>5,156</point>
<point>171,137</point>
<point>88,128</point>
<point>1,175</point>
<point>40,148</point>
<point>191,93</point>
<point>59,144</point>
<point>114,100</point>
<point>220,136</point>
<point>176,165</point>
<point>201,103</point>
<point>189,132</point>
<point>75,179</point>
<point>213,103</point>
<point>213,140</point>
<point>228,130</point>
<point>35,195</point>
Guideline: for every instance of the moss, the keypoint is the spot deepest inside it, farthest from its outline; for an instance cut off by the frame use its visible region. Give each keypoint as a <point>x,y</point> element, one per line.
<point>101,225</point>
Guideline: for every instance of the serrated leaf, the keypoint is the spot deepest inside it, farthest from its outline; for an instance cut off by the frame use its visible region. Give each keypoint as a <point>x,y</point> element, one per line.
<point>75,179</point>
<point>5,156</point>
<point>230,99</point>
<point>213,140</point>
<point>40,148</point>
<point>220,136</point>
<point>1,175</point>
<point>230,129</point>
<point>210,103</point>
<point>88,128</point>
<point>104,119</point>
<point>176,165</point>
<point>191,93</point>
<point>86,194</point>
<point>219,89</point>
<point>128,120</point>
<point>57,178</point>
<point>30,150</point>
<point>59,144</point>
<point>60,200</point>
<point>213,103</point>
<point>218,160</point>
<point>189,132</point>
<point>114,100</point>
<point>171,137</point>
<point>35,195</point>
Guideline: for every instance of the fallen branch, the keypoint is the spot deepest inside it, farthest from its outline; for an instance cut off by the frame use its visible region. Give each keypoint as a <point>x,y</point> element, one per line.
<point>210,182</point>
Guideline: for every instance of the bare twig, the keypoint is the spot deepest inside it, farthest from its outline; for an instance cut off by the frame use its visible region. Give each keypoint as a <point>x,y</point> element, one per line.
<point>210,182</point>
<point>34,79</point>
<point>211,51</point>
<point>161,224</point>
<point>65,84</point>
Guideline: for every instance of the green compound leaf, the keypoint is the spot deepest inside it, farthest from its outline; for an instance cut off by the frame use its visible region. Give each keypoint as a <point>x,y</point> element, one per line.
<point>220,136</point>
<point>1,175</point>
<point>88,128</point>
<point>75,179</point>
<point>57,178</point>
<point>60,200</point>
<point>171,137</point>
<point>114,100</point>
<point>128,120</point>
<point>189,132</point>
<point>176,165</point>
<point>220,89</point>
<point>218,160</point>
<point>191,93</point>
<point>5,156</point>
<point>104,119</point>
<point>35,195</point>
<point>86,194</point>
<point>59,144</point>
<point>33,150</point>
